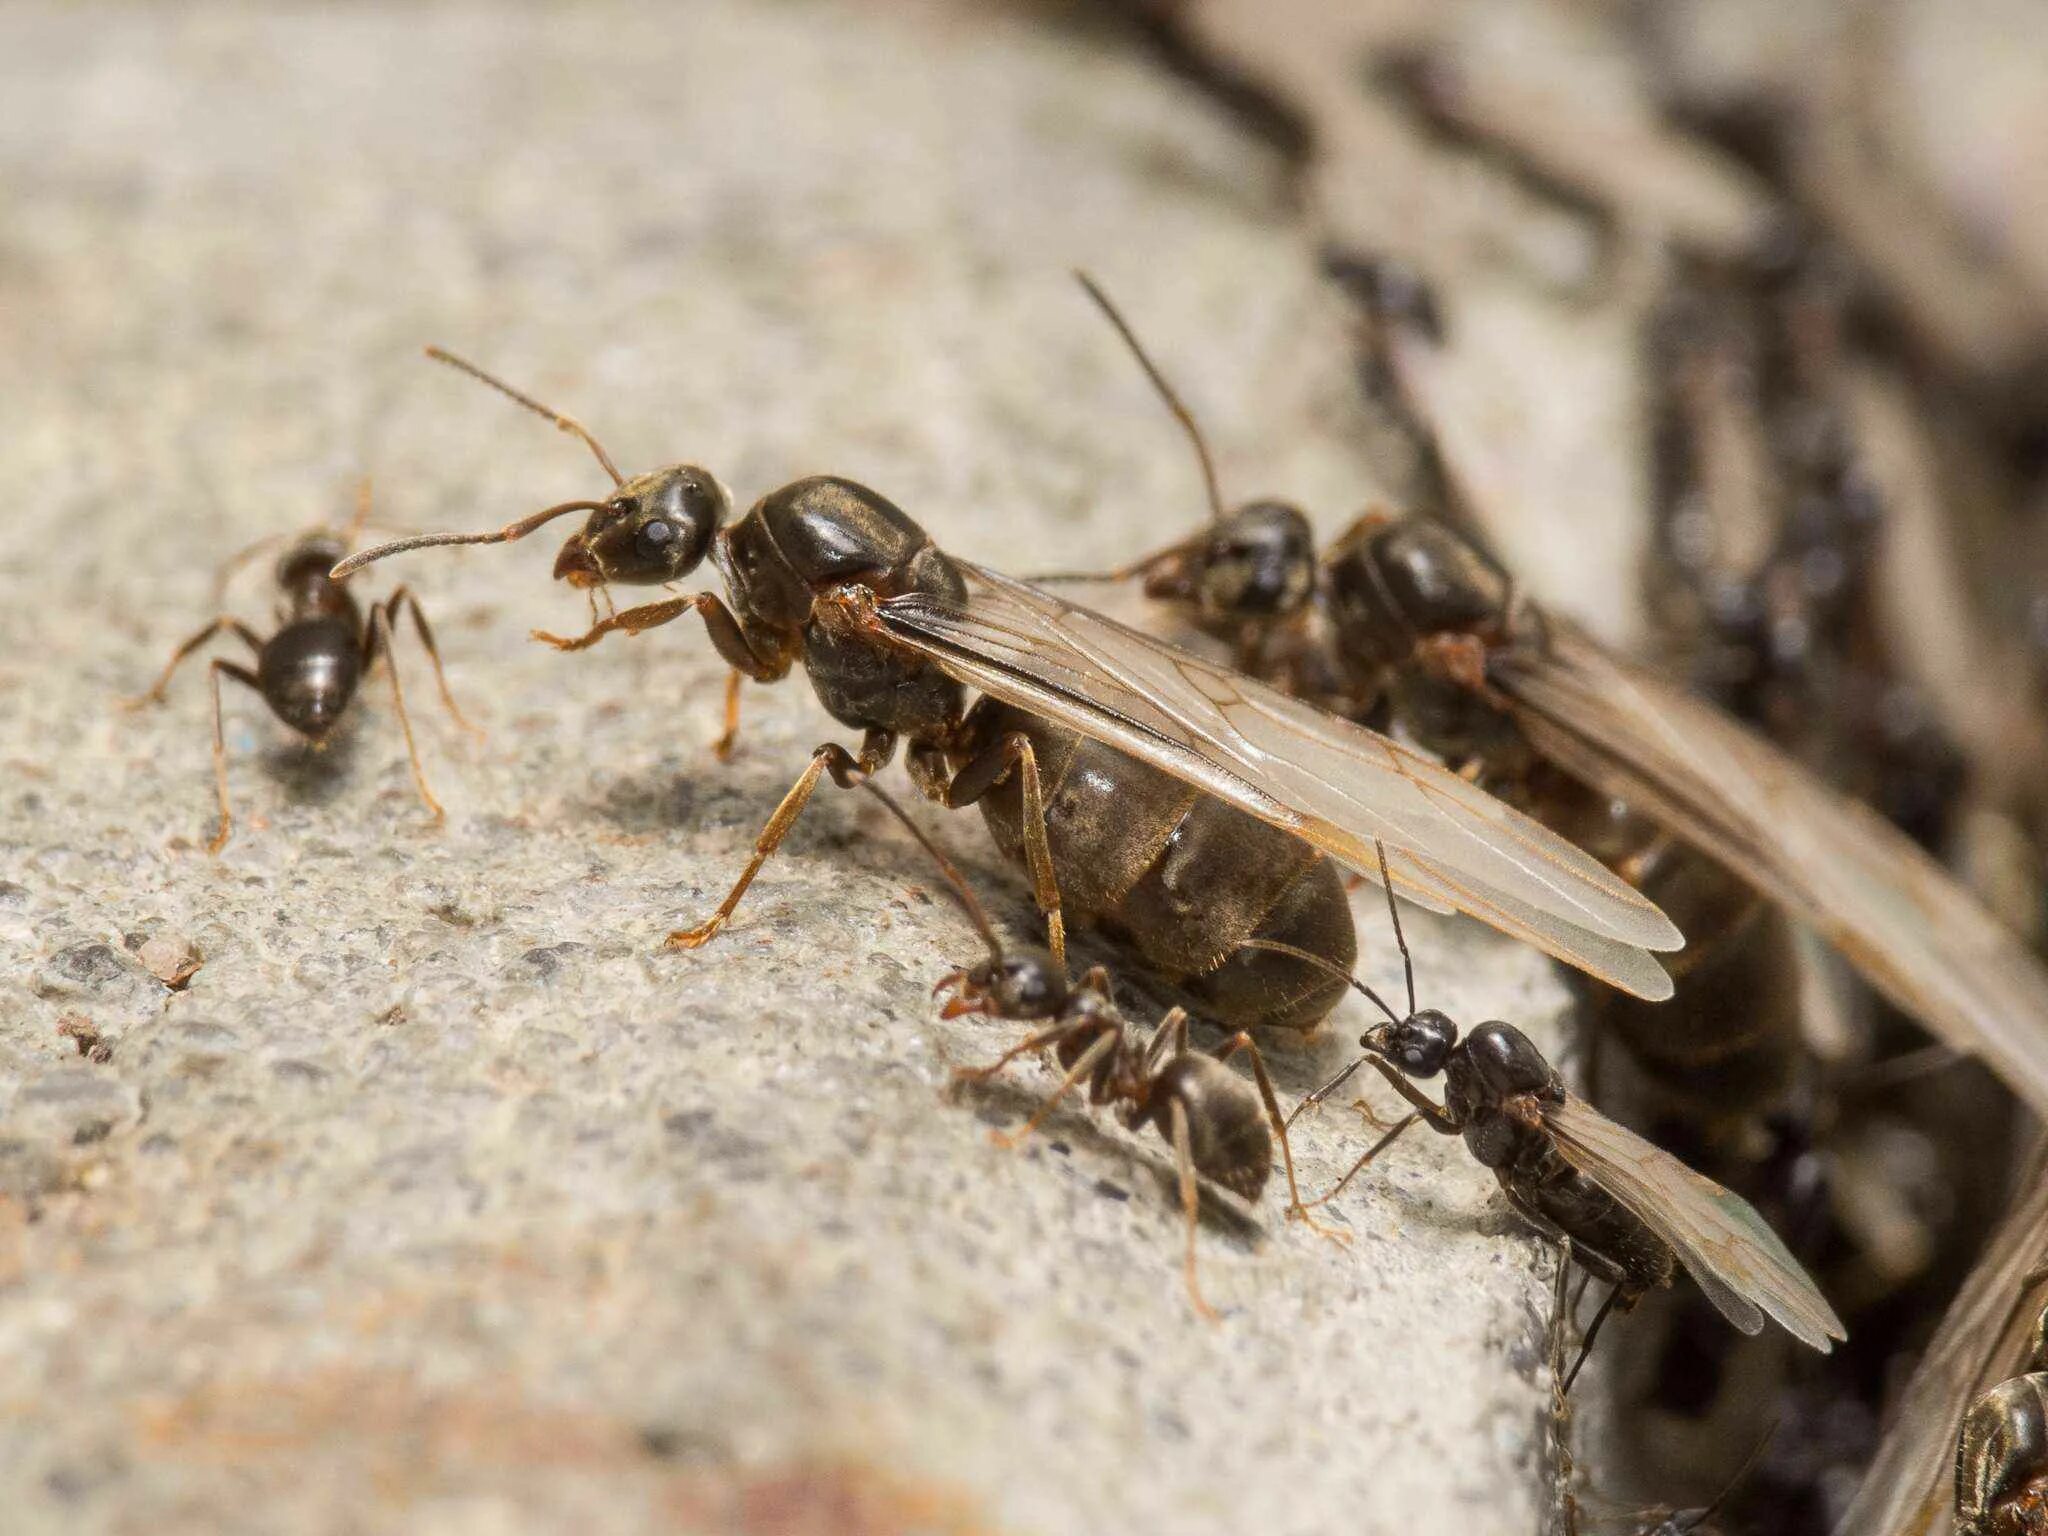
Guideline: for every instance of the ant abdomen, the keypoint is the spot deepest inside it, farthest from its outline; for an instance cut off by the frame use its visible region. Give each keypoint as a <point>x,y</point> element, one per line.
<point>309,671</point>
<point>1228,1137</point>
<point>1186,879</point>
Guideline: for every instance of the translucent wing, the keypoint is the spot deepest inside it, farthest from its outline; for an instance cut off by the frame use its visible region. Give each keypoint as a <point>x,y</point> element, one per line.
<point>1723,1243</point>
<point>1909,1489</point>
<point>1333,783</point>
<point>1915,934</point>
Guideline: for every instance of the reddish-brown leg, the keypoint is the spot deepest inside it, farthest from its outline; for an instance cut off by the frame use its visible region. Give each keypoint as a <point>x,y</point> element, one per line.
<point>846,771</point>
<point>379,638</point>
<point>216,670</point>
<point>1190,1204</point>
<point>404,596</point>
<point>226,621</point>
<point>1296,1210</point>
<point>975,779</point>
<point>722,748</point>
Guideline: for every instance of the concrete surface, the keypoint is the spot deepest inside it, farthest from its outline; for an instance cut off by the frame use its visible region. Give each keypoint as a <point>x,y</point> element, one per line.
<point>438,1198</point>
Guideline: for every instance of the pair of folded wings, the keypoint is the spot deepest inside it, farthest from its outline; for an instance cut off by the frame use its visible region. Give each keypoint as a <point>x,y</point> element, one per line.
<point>1346,790</point>
<point>1342,788</point>
<point>1896,915</point>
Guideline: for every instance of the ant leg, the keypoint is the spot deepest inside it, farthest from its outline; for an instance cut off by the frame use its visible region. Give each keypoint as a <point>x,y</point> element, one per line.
<point>404,595</point>
<point>1316,1096</point>
<point>216,670</point>
<point>1586,1344</point>
<point>226,621</point>
<point>1169,1039</point>
<point>722,748</point>
<point>631,620</point>
<point>1089,1059</point>
<point>1563,1470</point>
<point>727,637</point>
<point>379,636</point>
<point>1440,1119</point>
<point>975,779</point>
<point>360,518</point>
<point>1190,1203</point>
<point>1024,1047</point>
<point>846,771</point>
<point>1296,1211</point>
<point>1370,1153</point>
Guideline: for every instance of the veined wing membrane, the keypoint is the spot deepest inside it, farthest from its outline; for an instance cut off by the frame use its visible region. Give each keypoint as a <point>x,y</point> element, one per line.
<point>1909,1488</point>
<point>1724,1244</point>
<point>1916,935</point>
<point>1333,783</point>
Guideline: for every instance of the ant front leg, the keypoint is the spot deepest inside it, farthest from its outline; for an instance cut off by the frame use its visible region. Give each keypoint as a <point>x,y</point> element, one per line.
<point>1296,1210</point>
<point>629,621</point>
<point>1314,1099</point>
<point>226,621</point>
<point>877,747</point>
<point>1024,1047</point>
<point>984,772</point>
<point>723,747</point>
<point>216,670</point>
<point>1439,1119</point>
<point>1089,1060</point>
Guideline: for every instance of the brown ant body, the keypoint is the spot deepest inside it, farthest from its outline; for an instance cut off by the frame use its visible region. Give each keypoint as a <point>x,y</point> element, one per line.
<point>1184,808</point>
<point>1220,1128</point>
<point>309,667</point>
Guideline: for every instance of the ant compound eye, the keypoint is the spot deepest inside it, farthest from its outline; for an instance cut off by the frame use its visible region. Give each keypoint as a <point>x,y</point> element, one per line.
<point>655,535</point>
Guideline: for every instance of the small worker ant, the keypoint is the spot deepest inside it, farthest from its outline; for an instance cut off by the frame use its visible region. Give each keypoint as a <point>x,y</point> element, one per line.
<point>308,669</point>
<point>1220,1127</point>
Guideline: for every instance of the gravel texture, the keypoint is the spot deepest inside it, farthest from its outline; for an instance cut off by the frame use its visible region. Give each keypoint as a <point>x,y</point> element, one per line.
<point>438,1198</point>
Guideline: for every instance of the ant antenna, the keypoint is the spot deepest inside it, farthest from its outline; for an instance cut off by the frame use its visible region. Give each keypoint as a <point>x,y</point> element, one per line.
<point>1322,964</point>
<point>504,535</point>
<point>1174,403</point>
<point>1393,911</point>
<point>240,558</point>
<point>568,424</point>
<point>1741,1476</point>
<point>357,523</point>
<point>976,914</point>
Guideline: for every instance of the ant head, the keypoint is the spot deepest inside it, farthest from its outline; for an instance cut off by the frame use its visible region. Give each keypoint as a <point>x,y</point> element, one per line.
<point>655,528</point>
<point>1258,562</point>
<point>1419,1044</point>
<point>311,556</point>
<point>1024,984</point>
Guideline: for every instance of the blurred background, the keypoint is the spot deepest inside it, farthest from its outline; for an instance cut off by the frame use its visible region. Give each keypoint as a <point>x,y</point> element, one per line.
<point>1725,327</point>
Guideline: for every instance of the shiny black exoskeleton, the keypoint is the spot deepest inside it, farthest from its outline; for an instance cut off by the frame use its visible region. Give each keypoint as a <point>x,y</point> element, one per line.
<point>310,666</point>
<point>1187,879</point>
<point>1495,1082</point>
<point>2002,1449</point>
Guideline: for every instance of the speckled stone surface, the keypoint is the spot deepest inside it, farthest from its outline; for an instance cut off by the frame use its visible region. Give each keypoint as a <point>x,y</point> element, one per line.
<point>439,1198</point>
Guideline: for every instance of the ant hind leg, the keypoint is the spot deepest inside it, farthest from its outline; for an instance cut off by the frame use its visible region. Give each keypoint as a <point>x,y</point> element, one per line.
<point>216,670</point>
